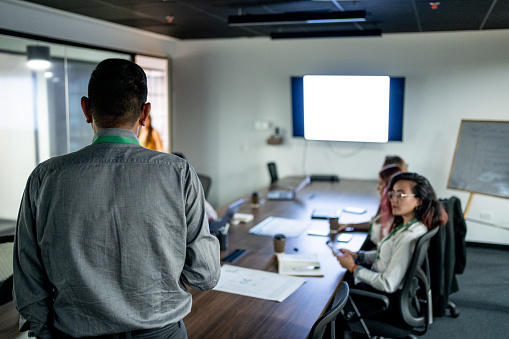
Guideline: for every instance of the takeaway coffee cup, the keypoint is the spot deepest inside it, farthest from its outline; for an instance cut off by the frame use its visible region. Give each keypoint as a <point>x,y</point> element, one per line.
<point>334,225</point>
<point>279,243</point>
<point>255,198</point>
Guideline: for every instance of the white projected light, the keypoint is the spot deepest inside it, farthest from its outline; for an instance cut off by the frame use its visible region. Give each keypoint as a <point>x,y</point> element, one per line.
<point>346,108</point>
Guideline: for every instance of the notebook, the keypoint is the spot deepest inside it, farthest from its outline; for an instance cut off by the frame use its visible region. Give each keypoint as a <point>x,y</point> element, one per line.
<point>299,264</point>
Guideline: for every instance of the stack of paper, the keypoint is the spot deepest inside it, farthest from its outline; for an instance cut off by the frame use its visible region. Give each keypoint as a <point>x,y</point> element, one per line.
<point>299,264</point>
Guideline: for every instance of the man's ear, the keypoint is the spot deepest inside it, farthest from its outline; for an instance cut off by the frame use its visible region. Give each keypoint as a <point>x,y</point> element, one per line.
<point>85,106</point>
<point>145,113</point>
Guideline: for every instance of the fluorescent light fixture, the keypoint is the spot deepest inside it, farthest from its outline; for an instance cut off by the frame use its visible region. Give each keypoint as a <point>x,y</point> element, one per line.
<point>326,34</point>
<point>297,18</point>
<point>38,58</point>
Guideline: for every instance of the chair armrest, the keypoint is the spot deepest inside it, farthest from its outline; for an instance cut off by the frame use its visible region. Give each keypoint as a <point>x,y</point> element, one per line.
<point>361,293</point>
<point>378,302</point>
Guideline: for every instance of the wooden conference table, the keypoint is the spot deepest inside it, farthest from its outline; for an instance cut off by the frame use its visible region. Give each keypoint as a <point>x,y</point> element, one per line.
<point>224,315</point>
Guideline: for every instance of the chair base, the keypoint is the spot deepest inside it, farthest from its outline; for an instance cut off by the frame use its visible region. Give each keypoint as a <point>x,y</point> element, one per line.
<point>350,335</point>
<point>453,309</point>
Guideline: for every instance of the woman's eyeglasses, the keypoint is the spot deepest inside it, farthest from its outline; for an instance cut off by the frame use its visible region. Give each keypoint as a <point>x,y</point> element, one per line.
<point>398,195</point>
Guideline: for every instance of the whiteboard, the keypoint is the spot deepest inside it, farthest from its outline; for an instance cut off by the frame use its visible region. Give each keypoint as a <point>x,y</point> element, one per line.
<point>481,159</point>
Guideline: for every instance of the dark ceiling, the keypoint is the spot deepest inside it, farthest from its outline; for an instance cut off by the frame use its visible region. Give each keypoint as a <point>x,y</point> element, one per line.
<point>201,19</point>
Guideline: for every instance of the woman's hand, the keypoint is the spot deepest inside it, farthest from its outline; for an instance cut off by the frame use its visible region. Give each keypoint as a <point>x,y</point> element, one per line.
<point>342,227</point>
<point>348,252</point>
<point>346,258</point>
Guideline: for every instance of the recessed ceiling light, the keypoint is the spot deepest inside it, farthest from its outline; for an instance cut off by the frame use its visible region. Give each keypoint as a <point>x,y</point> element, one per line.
<point>38,58</point>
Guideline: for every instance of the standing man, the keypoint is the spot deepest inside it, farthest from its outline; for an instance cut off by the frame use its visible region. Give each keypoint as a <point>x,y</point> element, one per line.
<point>107,236</point>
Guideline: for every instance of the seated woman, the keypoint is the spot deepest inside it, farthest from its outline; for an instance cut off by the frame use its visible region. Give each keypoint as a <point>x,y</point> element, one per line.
<point>395,160</point>
<point>409,209</point>
<point>373,226</point>
<point>392,164</point>
<point>150,138</point>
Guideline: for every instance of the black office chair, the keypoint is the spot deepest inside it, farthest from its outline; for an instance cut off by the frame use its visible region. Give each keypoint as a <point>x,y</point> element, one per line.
<point>413,301</point>
<point>447,258</point>
<point>272,172</point>
<point>6,247</point>
<point>329,318</point>
<point>206,182</point>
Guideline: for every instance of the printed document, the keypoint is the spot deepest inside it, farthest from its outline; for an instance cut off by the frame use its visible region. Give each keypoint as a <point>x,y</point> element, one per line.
<point>257,283</point>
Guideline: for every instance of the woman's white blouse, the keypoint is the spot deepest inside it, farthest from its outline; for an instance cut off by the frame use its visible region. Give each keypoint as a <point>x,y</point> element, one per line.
<point>395,252</point>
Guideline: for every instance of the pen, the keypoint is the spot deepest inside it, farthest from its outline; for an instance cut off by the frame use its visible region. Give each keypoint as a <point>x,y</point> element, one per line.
<point>305,268</point>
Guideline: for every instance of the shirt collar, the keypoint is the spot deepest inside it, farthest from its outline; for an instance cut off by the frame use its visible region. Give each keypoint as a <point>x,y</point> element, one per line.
<point>115,132</point>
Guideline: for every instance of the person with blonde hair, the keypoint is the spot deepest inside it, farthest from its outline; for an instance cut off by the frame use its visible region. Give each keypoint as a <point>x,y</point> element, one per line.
<point>373,227</point>
<point>150,138</point>
<point>395,160</point>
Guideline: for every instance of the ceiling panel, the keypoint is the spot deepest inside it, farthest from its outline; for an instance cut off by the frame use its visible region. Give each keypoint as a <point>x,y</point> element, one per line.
<point>200,19</point>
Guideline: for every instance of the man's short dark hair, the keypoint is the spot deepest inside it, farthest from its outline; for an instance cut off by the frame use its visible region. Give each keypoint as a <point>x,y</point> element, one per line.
<point>117,91</point>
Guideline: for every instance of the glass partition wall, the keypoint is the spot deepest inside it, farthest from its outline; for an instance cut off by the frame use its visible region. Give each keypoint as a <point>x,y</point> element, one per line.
<point>41,109</point>
<point>157,80</point>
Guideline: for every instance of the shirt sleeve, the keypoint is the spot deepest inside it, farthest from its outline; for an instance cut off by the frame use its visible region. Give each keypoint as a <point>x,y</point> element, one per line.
<point>366,257</point>
<point>202,267</point>
<point>32,290</point>
<point>390,279</point>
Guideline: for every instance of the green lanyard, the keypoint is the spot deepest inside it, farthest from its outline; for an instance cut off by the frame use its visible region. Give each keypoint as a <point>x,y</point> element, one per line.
<point>394,231</point>
<point>114,139</point>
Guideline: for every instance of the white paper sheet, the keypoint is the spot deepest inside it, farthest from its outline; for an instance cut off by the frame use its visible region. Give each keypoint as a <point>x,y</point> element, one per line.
<point>257,283</point>
<point>275,225</point>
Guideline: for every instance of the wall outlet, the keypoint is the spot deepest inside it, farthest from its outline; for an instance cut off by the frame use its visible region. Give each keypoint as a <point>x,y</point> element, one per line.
<point>262,125</point>
<point>486,215</point>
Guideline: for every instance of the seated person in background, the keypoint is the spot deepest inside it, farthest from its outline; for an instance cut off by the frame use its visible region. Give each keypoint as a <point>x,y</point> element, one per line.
<point>209,210</point>
<point>373,226</point>
<point>409,208</point>
<point>395,160</point>
<point>149,137</point>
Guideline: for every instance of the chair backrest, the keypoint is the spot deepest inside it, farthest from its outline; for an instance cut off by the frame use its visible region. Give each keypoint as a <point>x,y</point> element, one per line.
<point>340,299</point>
<point>414,294</point>
<point>447,258</point>
<point>272,172</point>
<point>206,182</point>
